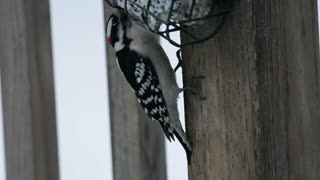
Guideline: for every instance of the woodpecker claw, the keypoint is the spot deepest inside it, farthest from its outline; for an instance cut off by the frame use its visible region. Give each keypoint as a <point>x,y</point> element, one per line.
<point>177,66</point>
<point>178,54</point>
<point>195,81</point>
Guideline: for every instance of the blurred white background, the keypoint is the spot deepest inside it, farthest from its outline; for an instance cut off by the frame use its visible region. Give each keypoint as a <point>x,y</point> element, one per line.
<point>81,95</point>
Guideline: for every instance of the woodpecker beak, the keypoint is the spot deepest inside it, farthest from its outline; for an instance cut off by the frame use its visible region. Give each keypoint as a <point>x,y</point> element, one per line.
<point>110,40</point>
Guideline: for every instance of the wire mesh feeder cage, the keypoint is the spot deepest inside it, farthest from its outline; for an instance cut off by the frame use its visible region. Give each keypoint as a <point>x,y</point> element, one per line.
<point>186,16</point>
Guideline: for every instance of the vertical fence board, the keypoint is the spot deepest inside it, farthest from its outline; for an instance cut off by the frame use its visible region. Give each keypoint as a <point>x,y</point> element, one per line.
<point>261,117</point>
<point>138,147</point>
<point>28,90</point>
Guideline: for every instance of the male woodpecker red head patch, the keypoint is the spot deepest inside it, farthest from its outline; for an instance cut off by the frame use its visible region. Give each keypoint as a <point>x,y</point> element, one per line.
<point>112,29</point>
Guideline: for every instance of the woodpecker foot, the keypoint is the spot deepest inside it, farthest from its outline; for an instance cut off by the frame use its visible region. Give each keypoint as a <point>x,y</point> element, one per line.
<point>178,53</point>
<point>194,88</point>
<point>177,66</point>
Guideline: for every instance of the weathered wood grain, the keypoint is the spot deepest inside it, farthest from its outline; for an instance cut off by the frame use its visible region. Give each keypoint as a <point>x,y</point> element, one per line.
<point>261,117</point>
<point>27,90</point>
<point>138,147</point>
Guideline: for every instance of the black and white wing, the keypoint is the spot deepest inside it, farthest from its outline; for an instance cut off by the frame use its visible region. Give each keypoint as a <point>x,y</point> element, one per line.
<point>143,78</point>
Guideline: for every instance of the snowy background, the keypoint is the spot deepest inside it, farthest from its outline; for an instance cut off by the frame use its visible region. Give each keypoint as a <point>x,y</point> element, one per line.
<point>81,95</point>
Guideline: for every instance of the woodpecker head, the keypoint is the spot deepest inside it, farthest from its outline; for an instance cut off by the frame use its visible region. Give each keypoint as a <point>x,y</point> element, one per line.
<point>116,27</point>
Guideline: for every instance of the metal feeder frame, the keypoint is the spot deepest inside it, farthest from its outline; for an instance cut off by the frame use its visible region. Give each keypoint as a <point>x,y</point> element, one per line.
<point>173,26</point>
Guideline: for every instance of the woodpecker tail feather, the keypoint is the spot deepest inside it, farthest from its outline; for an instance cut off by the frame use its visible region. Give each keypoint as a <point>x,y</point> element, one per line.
<point>181,136</point>
<point>167,132</point>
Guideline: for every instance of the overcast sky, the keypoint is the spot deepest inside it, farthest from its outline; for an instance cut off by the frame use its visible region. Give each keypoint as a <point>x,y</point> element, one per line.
<point>81,94</point>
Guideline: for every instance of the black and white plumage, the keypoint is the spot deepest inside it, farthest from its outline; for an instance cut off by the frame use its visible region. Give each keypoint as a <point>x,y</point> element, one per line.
<point>146,67</point>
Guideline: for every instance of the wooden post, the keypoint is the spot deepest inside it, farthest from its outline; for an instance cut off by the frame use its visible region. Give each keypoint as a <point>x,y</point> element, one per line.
<point>138,147</point>
<point>27,90</point>
<point>261,117</point>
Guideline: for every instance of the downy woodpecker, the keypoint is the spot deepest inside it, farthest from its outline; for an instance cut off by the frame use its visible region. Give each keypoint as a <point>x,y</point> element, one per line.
<point>146,67</point>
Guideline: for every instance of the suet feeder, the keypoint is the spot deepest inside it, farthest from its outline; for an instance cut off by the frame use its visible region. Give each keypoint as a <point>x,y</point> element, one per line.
<point>187,16</point>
